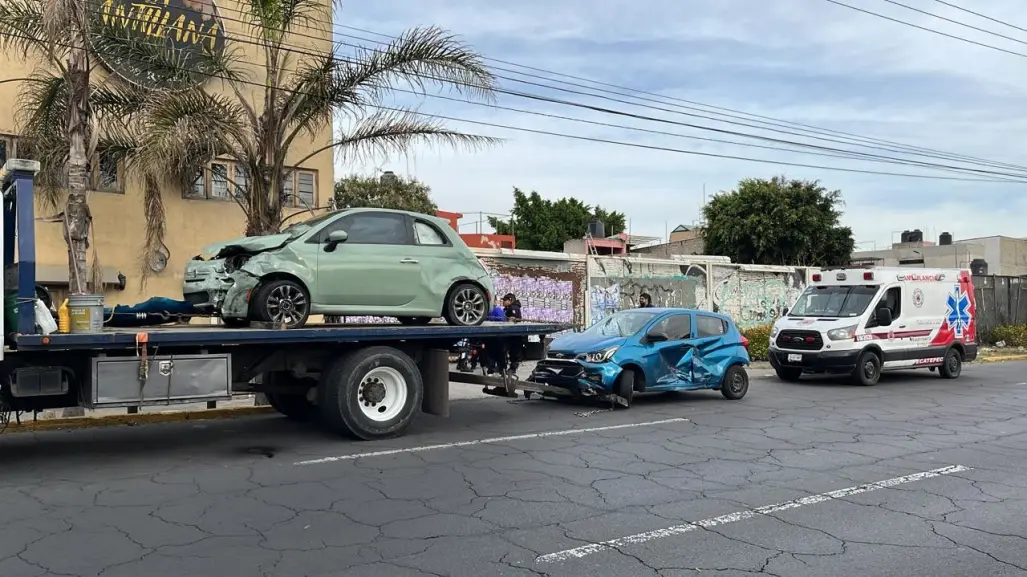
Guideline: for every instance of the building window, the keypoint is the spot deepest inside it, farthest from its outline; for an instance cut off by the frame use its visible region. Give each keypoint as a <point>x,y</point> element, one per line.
<point>6,149</point>
<point>105,174</point>
<point>222,179</point>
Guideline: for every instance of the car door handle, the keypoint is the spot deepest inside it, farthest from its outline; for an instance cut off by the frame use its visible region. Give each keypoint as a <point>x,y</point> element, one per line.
<point>409,261</point>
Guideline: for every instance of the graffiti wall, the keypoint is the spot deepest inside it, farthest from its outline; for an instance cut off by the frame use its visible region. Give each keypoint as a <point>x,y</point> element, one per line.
<point>616,283</point>
<point>550,289</point>
<point>754,295</point>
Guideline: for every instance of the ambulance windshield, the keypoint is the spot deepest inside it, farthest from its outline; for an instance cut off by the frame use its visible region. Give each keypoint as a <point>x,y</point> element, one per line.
<point>833,301</point>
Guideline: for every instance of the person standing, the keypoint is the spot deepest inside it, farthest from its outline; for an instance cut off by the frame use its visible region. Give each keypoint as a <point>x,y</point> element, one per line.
<point>645,301</point>
<point>514,345</point>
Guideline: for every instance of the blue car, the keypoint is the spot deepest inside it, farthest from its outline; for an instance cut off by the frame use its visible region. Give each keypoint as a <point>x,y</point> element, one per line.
<point>649,349</point>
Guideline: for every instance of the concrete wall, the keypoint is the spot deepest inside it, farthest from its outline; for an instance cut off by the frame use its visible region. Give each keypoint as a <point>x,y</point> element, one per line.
<point>1005,255</point>
<point>685,247</point>
<point>753,295</point>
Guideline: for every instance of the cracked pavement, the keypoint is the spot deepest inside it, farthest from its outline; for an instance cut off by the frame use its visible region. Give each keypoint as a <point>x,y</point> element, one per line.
<point>226,498</point>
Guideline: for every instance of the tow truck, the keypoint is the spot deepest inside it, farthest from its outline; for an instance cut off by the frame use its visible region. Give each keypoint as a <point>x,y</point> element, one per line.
<point>368,381</point>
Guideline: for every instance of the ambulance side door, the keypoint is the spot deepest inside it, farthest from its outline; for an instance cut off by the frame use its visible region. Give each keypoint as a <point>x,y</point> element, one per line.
<point>894,340</point>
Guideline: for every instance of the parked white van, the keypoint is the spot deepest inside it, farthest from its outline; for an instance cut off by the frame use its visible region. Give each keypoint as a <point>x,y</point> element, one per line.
<point>861,321</point>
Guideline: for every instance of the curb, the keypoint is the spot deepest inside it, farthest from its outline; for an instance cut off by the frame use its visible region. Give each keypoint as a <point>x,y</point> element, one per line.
<point>1003,358</point>
<point>137,419</point>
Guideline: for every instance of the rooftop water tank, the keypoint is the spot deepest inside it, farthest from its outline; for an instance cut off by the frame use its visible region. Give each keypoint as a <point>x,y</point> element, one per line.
<point>945,239</point>
<point>596,229</point>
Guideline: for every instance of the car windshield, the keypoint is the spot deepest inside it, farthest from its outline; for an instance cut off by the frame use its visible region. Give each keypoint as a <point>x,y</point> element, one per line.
<point>622,324</point>
<point>833,301</point>
<point>296,229</point>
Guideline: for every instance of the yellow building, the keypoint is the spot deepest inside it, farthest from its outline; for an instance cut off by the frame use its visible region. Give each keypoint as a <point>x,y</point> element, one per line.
<point>196,217</point>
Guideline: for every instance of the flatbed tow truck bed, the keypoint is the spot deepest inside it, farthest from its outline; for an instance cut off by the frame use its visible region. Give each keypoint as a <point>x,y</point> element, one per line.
<point>366,380</point>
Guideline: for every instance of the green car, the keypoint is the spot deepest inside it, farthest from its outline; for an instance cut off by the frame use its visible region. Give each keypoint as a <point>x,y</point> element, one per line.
<point>356,262</point>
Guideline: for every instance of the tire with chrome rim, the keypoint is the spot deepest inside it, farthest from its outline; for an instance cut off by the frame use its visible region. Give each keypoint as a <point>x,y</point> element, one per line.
<point>736,383</point>
<point>868,369</point>
<point>466,306</point>
<point>282,302</point>
<point>372,393</point>
<point>952,364</point>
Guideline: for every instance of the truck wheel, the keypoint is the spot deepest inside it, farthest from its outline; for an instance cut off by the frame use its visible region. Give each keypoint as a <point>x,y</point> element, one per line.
<point>373,393</point>
<point>466,306</point>
<point>296,407</point>
<point>789,374</point>
<point>868,369</point>
<point>952,366</point>
<point>624,386</point>
<point>282,301</point>
<point>736,383</point>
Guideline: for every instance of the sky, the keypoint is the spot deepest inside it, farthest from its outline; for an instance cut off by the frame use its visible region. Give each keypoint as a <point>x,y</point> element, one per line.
<point>796,61</point>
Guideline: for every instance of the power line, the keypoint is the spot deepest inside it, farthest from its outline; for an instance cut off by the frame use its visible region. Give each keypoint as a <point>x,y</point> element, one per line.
<point>952,21</point>
<point>906,149</point>
<point>979,15</point>
<point>602,140</point>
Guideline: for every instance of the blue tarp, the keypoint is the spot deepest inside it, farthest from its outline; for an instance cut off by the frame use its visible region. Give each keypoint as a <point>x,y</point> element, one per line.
<point>155,311</point>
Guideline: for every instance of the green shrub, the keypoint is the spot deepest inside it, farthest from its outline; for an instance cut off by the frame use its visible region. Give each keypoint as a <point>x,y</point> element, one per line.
<point>1013,335</point>
<point>759,341</point>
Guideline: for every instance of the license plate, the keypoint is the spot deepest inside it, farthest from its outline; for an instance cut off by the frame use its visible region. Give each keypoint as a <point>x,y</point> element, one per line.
<point>533,339</point>
<point>794,358</point>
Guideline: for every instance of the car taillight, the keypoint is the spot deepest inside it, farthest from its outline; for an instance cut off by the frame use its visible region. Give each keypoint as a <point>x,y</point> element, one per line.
<point>745,342</point>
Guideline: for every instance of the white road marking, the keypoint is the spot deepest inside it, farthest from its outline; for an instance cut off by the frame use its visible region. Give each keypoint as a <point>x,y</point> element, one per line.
<point>586,550</point>
<point>487,441</point>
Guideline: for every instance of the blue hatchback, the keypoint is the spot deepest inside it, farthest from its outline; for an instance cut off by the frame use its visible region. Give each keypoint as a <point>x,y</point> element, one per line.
<point>650,349</point>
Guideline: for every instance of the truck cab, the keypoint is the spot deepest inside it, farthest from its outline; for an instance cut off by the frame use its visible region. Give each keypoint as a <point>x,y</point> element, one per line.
<point>862,321</point>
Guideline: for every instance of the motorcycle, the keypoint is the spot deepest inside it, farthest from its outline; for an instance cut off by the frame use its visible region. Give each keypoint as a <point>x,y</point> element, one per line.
<point>469,356</point>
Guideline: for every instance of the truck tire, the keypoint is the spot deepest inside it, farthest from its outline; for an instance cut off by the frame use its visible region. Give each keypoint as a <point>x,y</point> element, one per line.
<point>296,407</point>
<point>736,383</point>
<point>371,393</point>
<point>789,374</point>
<point>868,369</point>
<point>952,364</point>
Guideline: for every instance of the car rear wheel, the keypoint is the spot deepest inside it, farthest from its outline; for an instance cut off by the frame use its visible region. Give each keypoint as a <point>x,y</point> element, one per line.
<point>466,306</point>
<point>282,302</point>
<point>736,383</point>
<point>952,365</point>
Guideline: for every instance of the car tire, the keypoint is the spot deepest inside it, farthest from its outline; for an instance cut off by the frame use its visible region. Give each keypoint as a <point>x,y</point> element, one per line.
<point>414,321</point>
<point>790,374</point>
<point>466,306</point>
<point>373,393</point>
<point>952,364</point>
<point>282,291</point>
<point>868,369</point>
<point>735,384</point>
<point>624,386</point>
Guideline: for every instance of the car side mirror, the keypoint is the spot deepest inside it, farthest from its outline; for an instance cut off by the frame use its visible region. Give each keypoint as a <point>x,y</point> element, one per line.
<point>656,336</point>
<point>334,239</point>
<point>883,315</point>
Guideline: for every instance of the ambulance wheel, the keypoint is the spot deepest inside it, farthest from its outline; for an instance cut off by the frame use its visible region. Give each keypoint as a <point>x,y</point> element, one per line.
<point>868,369</point>
<point>952,366</point>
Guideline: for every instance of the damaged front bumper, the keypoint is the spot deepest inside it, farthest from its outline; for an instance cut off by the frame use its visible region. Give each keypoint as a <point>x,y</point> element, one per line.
<point>581,378</point>
<point>213,290</point>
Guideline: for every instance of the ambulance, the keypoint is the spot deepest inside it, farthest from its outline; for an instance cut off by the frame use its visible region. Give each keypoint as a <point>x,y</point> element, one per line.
<point>862,321</point>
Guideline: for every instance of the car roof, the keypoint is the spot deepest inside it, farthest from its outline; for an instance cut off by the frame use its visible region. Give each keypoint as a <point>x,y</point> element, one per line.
<point>662,310</point>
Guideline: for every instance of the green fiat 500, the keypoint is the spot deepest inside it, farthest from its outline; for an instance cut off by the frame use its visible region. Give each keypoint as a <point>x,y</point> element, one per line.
<point>356,262</point>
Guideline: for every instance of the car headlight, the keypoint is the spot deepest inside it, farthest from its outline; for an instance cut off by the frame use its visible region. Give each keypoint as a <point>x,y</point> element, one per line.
<point>773,331</point>
<point>599,356</point>
<point>842,334</point>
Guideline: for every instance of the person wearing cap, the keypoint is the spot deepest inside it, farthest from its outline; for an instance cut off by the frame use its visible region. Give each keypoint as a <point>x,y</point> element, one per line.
<point>514,345</point>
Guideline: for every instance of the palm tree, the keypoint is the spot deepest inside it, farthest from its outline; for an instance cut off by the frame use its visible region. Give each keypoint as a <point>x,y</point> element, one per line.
<point>170,126</point>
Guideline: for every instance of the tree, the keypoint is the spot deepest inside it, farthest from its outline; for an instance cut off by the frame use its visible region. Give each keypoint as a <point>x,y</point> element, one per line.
<point>389,191</point>
<point>778,221</point>
<point>57,31</point>
<point>543,224</point>
<point>190,102</point>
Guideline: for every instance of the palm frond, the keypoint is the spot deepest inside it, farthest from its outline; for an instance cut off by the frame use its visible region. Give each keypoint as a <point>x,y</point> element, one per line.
<point>156,225</point>
<point>24,29</point>
<point>43,122</point>
<point>272,20</point>
<point>309,107</point>
<point>388,132</point>
<point>180,132</point>
<point>418,58</point>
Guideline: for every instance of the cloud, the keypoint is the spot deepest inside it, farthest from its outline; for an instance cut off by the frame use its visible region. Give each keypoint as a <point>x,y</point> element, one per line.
<point>804,61</point>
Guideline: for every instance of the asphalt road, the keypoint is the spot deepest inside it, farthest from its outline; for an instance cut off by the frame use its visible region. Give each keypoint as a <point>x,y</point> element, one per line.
<point>916,476</point>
